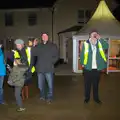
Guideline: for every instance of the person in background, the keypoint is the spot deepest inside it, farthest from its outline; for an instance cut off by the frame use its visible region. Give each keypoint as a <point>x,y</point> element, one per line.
<point>35,42</point>
<point>2,74</point>
<point>17,79</point>
<point>32,42</point>
<point>47,55</point>
<point>24,53</point>
<point>93,61</point>
<point>25,89</point>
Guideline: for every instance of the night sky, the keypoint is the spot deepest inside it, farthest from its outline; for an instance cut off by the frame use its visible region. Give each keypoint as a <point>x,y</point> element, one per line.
<point>116,11</point>
<point>8,4</point>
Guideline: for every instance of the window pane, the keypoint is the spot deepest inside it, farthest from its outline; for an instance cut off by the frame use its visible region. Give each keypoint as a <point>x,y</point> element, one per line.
<point>32,19</point>
<point>88,13</point>
<point>8,19</point>
<point>81,14</point>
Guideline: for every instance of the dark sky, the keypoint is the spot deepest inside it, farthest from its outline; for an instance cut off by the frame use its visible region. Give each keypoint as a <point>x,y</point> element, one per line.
<point>9,4</point>
<point>6,4</point>
<point>116,11</point>
<point>118,1</point>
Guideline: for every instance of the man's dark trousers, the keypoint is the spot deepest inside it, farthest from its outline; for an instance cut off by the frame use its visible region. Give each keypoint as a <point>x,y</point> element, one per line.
<point>91,77</point>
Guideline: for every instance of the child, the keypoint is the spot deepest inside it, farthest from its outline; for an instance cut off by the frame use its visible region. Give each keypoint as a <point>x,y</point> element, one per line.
<point>17,78</point>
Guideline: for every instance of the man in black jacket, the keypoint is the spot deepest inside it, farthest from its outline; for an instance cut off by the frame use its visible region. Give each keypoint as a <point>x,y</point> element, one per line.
<point>47,55</point>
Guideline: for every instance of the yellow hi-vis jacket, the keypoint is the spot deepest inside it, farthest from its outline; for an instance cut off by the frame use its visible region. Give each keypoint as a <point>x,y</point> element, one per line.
<point>28,52</point>
<point>87,50</point>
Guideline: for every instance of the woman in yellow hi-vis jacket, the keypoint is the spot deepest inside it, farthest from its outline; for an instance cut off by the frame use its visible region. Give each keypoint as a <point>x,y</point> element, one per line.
<point>24,53</point>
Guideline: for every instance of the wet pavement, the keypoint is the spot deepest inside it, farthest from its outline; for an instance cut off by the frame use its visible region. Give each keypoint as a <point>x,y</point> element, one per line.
<point>68,101</point>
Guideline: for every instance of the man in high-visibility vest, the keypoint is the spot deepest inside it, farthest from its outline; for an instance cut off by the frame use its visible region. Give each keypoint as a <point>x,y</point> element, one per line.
<point>93,60</point>
<point>24,53</point>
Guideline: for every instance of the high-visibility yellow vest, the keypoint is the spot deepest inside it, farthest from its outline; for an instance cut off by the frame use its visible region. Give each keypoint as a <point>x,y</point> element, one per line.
<point>28,53</point>
<point>87,50</point>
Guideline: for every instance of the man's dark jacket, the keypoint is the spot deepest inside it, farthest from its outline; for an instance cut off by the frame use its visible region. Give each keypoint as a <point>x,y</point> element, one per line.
<point>44,56</point>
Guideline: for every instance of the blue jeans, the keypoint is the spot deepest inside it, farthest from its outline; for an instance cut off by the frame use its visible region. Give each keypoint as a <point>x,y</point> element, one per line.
<point>1,89</point>
<point>18,97</point>
<point>41,84</point>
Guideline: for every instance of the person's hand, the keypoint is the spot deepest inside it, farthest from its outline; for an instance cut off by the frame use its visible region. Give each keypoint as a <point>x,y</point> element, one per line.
<point>13,50</point>
<point>98,36</point>
<point>28,70</point>
<point>0,45</point>
<point>93,37</point>
<point>28,75</point>
<point>82,66</point>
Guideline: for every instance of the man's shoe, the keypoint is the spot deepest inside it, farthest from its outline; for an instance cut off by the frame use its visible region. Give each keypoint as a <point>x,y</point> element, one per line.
<point>49,101</point>
<point>21,109</point>
<point>3,103</point>
<point>86,101</point>
<point>42,99</point>
<point>98,101</point>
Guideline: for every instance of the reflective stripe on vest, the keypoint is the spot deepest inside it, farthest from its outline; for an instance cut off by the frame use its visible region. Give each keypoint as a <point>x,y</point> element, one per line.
<point>16,54</point>
<point>101,51</point>
<point>87,50</point>
<point>28,53</point>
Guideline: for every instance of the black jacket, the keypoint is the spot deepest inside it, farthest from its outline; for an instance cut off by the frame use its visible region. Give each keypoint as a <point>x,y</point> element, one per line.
<point>44,56</point>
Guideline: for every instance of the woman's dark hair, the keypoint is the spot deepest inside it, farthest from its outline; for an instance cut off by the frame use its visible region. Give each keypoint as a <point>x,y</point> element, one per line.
<point>31,39</point>
<point>92,32</point>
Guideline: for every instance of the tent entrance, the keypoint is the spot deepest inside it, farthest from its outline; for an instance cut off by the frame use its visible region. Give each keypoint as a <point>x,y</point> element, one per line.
<point>114,56</point>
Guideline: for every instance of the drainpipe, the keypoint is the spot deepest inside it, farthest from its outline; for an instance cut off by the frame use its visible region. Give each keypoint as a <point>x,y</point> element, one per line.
<point>59,41</point>
<point>52,23</point>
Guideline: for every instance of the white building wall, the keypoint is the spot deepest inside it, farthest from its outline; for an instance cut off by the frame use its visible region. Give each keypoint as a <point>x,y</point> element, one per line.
<point>66,12</point>
<point>65,16</point>
<point>21,29</point>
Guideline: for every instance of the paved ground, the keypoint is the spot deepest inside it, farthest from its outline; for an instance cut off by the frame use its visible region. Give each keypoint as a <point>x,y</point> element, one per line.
<point>64,69</point>
<point>68,102</point>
